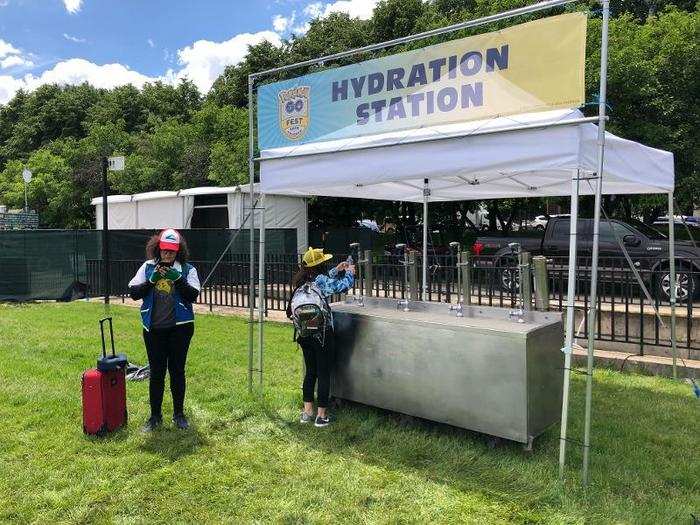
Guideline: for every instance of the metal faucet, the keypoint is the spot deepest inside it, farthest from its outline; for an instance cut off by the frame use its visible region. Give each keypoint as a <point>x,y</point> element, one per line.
<point>404,302</point>
<point>458,307</point>
<point>360,261</point>
<point>519,312</point>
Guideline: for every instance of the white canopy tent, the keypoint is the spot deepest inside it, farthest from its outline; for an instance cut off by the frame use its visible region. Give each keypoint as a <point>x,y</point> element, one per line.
<point>552,153</point>
<point>469,161</point>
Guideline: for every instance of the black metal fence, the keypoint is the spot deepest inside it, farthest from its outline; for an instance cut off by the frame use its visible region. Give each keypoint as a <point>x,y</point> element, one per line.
<point>626,313</point>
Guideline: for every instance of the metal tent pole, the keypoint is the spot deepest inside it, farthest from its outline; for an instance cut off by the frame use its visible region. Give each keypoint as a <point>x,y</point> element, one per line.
<point>672,279</point>
<point>596,231</point>
<point>570,320</point>
<point>105,236</point>
<point>261,288</point>
<point>426,195</point>
<point>251,281</point>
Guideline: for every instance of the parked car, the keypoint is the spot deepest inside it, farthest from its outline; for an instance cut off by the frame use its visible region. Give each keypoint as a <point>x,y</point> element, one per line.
<point>540,222</point>
<point>689,220</point>
<point>647,247</point>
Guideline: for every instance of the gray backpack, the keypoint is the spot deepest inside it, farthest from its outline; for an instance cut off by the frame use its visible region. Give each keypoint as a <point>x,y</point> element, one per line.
<point>311,313</point>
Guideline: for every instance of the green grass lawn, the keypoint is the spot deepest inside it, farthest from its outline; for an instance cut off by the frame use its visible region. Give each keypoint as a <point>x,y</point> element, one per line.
<point>248,460</point>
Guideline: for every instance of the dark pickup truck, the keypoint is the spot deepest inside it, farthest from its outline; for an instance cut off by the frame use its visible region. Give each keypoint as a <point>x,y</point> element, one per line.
<point>647,246</point>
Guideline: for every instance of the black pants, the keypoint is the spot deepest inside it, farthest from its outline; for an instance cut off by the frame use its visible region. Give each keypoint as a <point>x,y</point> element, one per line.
<point>319,362</point>
<point>167,351</point>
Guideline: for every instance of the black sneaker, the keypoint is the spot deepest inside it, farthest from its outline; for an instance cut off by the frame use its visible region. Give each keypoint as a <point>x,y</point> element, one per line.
<point>181,421</point>
<point>152,423</point>
<point>322,421</point>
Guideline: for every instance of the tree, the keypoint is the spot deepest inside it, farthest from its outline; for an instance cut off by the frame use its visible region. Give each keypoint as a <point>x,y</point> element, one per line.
<point>174,137</point>
<point>396,18</point>
<point>653,82</point>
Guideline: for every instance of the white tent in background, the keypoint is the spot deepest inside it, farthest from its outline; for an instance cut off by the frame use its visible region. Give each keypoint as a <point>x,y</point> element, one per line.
<point>176,209</point>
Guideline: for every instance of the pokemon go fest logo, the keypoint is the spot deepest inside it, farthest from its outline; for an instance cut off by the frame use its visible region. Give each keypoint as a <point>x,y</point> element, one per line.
<point>293,107</point>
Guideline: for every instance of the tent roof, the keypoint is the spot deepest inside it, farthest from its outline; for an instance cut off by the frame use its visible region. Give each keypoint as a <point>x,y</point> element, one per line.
<point>468,161</point>
<point>150,195</point>
<point>202,190</point>
<point>209,190</point>
<point>111,199</point>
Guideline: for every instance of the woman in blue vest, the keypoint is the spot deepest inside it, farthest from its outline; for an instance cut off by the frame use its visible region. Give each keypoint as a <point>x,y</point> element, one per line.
<point>168,286</point>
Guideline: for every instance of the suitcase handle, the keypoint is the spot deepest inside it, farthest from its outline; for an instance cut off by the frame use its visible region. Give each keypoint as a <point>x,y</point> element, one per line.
<point>111,335</point>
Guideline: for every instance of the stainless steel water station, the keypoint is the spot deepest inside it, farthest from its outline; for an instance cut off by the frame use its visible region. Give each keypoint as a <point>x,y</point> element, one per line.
<point>491,370</point>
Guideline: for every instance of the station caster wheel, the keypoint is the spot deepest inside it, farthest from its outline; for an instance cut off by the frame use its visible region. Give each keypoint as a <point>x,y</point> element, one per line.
<point>405,420</point>
<point>527,447</point>
<point>494,442</point>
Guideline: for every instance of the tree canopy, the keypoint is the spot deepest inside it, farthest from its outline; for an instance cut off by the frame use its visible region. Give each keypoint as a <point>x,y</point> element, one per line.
<point>175,136</point>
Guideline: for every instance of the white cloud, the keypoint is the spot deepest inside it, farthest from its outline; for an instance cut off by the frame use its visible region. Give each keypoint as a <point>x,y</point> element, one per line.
<point>281,23</point>
<point>78,70</point>
<point>8,87</point>
<point>314,10</point>
<point>355,8</point>
<point>202,62</point>
<point>205,60</point>
<point>7,49</point>
<point>74,38</point>
<point>151,43</point>
<point>301,29</point>
<point>15,60</point>
<point>73,6</point>
<point>10,56</point>
<point>72,72</point>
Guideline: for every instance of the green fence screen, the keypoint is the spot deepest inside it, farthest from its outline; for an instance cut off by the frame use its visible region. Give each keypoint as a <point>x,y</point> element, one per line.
<point>53,264</point>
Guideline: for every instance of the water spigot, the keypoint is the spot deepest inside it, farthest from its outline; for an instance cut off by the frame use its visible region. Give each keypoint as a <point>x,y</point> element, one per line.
<point>360,262</point>
<point>455,244</point>
<point>404,303</point>
<point>402,248</point>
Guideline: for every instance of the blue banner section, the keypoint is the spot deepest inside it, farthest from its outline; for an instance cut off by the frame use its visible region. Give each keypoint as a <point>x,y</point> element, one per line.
<point>531,67</point>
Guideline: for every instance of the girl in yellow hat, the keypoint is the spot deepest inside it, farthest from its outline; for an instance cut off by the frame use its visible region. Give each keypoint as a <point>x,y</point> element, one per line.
<point>318,352</point>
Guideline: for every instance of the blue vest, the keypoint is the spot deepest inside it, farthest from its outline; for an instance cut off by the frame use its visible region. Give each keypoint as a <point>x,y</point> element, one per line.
<point>183,310</point>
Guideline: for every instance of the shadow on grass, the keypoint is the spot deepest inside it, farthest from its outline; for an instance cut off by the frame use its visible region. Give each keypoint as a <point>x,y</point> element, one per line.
<point>172,444</point>
<point>626,419</point>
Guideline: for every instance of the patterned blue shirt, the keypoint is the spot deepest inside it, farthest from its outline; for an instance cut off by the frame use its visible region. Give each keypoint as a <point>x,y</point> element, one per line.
<point>331,284</point>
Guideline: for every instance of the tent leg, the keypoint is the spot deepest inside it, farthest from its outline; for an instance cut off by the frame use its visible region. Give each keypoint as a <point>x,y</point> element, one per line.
<point>262,291</point>
<point>426,195</point>
<point>672,276</point>
<point>570,321</point>
<point>251,279</point>
<point>593,304</point>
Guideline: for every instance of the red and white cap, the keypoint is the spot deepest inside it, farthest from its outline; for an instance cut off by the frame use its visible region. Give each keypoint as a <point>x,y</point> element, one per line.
<point>169,240</point>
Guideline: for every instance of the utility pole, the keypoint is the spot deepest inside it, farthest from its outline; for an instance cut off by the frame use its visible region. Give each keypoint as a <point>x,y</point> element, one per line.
<point>108,164</point>
<point>27,177</point>
<point>105,234</point>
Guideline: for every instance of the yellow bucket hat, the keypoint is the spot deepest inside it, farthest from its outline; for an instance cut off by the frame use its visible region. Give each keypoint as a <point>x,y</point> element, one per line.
<point>315,256</point>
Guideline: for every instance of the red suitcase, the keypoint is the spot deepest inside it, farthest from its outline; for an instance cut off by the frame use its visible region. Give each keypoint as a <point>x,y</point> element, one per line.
<point>104,391</point>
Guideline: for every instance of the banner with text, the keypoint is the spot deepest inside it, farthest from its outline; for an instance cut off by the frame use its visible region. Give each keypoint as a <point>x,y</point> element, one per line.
<point>535,66</point>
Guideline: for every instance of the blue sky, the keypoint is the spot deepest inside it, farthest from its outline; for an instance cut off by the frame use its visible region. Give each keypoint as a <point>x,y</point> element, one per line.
<point>114,42</point>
